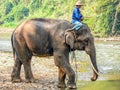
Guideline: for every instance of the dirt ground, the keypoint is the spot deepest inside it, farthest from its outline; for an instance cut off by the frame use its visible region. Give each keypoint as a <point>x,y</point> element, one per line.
<point>43,69</point>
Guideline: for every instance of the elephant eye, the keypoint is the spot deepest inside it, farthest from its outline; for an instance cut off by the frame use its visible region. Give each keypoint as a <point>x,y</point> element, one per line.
<point>85,41</point>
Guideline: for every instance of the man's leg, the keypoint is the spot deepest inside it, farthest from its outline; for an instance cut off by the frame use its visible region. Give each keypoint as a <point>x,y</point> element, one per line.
<point>77,25</point>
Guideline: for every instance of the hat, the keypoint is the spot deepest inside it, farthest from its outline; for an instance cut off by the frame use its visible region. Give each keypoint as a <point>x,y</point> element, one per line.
<point>79,3</point>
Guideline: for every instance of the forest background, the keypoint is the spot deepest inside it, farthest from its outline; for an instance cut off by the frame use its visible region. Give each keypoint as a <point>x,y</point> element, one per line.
<point>102,16</point>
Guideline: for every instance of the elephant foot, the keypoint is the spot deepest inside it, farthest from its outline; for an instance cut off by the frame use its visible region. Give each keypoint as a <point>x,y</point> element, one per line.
<point>61,85</point>
<point>32,80</point>
<point>72,86</point>
<point>16,79</point>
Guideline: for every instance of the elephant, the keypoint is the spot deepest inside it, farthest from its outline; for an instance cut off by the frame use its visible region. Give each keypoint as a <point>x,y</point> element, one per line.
<point>51,37</point>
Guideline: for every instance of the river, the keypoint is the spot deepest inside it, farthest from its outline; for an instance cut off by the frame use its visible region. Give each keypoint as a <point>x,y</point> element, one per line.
<point>108,61</point>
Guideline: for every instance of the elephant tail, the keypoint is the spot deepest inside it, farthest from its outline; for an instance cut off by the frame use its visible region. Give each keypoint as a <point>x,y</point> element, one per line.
<point>12,42</point>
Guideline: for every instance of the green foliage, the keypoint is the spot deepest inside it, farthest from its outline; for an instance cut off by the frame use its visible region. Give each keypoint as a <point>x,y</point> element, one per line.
<point>35,4</point>
<point>8,7</point>
<point>16,2</point>
<point>99,14</point>
<point>20,13</point>
<point>10,24</point>
<point>17,14</point>
<point>99,85</point>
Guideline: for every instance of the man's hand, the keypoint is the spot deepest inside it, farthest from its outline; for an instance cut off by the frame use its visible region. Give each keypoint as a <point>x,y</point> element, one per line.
<point>82,18</point>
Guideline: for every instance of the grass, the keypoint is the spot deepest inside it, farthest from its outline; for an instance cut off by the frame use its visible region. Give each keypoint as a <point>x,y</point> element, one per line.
<point>9,25</point>
<point>99,85</point>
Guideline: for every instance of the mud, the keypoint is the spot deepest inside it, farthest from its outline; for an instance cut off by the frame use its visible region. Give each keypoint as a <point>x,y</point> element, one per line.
<point>43,69</point>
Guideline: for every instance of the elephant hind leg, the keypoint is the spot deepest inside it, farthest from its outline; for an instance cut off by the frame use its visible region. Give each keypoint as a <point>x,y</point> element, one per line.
<point>28,72</point>
<point>23,56</point>
<point>15,76</point>
<point>26,60</point>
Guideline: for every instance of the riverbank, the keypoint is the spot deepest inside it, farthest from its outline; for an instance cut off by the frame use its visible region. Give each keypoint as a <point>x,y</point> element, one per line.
<point>108,39</point>
<point>6,30</point>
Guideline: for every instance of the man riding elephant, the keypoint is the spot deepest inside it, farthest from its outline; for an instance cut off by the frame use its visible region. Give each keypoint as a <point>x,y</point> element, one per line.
<point>77,17</point>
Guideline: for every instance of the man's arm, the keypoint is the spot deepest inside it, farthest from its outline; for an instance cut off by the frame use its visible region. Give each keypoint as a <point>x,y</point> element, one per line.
<point>82,18</point>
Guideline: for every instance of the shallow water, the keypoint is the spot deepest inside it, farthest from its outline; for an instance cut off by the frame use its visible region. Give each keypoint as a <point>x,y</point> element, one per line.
<point>108,57</point>
<point>5,45</point>
<point>108,61</point>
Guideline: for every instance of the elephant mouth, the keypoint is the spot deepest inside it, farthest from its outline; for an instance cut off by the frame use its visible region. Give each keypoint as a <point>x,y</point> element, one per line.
<point>78,48</point>
<point>81,48</point>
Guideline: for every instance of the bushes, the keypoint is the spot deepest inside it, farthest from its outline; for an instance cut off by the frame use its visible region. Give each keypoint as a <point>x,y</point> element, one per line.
<point>101,16</point>
<point>17,14</point>
<point>108,9</point>
<point>8,7</point>
<point>21,13</point>
<point>35,4</point>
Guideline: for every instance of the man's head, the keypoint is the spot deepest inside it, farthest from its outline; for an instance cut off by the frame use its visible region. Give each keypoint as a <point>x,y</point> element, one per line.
<point>79,4</point>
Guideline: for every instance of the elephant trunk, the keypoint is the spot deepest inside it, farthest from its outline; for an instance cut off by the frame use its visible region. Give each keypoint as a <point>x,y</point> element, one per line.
<point>90,50</point>
<point>94,65</point>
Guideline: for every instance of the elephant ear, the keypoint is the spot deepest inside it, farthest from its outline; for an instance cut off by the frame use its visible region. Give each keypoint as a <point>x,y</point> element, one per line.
<point>69,38</point>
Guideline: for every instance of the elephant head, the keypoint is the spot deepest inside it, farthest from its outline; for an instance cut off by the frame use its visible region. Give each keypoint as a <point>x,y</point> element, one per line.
<point>83,40</point>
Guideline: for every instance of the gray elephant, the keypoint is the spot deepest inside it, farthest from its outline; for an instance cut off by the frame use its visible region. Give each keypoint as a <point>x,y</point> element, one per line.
<point>49,37</point>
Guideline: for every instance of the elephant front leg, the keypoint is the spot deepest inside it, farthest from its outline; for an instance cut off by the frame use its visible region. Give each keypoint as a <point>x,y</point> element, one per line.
<point>71,74</point>
<point>62,61</point>
<point>62,75</point>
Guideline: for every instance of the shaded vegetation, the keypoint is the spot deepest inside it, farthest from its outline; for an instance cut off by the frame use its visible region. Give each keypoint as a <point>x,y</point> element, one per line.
<point>99,14</point>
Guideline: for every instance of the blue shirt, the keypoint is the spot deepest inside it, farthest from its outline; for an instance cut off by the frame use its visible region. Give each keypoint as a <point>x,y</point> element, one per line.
<point>76,15</point>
